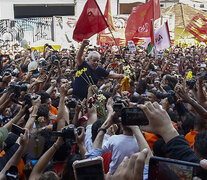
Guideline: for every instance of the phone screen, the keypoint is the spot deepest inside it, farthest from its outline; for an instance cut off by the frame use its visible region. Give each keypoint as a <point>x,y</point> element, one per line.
<point>133,116</point>
<point>91,172</point>
<point>173,170</point>
<point>17,130</point>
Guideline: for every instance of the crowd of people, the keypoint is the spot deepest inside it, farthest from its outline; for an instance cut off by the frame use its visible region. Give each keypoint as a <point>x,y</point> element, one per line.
<point>77,92</point>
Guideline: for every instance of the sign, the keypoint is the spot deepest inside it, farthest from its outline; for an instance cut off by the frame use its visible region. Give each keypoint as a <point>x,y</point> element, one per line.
<point>24,44</point>
<point>131,46</point>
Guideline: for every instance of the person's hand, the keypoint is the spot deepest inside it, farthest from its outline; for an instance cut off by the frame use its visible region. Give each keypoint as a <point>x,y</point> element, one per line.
<point>41,78</point>
<point>109,121</point>
<point>78,107</point>
<point>109,105</point>
<point>22,110</point>
<point>59,142</point>
<point>131,168</point>
<point>92,89</point>
<point>181,93</point>
<point>52,116</point>
<point>134,128</point>
<point>53,83</point>
<point>159,121</point>
<point>85,42</point>
<point>80,138</point>
<point>24,138</point>
<point>165,104</point>
<point>64,89</point>
<point>112,129</point>
<point>121,76</point>
<point>203,164</point>
<point>36,102</point>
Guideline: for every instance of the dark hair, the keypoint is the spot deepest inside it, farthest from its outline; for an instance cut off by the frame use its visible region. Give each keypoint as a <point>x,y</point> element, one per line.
<point>200,144</point>
<point>44,96</point>
<point>68,170</point>
<point>188,123</point>
<point>43,110</point>
<point>199,122</point>
<point>171,81</point>
<point>49,175</point>
<point>62,152</point>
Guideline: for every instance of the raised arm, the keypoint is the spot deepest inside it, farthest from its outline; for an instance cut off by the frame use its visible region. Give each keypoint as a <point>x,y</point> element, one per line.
<point>142,143</point>
<point>15,159</point>
<point>44,160</point>
<point>36,103</point>
<point>15,119</point>
<point>198,107</point>
<point>62,116</point>
<point>80,60</point>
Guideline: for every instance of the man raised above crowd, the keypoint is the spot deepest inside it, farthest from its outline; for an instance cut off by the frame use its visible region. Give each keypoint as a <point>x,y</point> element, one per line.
<point>91,73</point>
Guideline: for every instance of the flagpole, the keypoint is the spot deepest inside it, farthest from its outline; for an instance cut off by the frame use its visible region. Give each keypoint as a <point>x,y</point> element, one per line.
<point>154,35</point>
<point>109,29</point>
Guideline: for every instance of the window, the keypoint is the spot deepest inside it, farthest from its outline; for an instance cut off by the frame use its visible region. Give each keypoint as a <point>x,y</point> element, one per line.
<point>127,8</point>
<point>40,10</point>
<point>201,5</point>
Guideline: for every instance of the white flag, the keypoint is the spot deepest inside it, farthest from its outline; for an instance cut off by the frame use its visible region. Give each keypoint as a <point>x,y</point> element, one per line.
<point>162,38</point>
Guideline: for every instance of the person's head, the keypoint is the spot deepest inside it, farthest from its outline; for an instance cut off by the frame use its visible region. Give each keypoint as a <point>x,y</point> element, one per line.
<point>151,96</point>
<point>61,80</point>
<point>45,98</point>
<point>93,59</point>
<point>68,170</point>
<point>43,112</point>
<point>141,87</point>
<point>200,145</point>
<point>199,123</point>
<point>49,175</point>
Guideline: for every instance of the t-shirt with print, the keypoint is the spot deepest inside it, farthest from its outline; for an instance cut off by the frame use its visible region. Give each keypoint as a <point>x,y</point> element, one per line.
<point>80,86</point>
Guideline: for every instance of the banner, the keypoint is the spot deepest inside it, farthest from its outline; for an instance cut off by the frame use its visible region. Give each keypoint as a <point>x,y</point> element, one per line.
<point>198,27</point>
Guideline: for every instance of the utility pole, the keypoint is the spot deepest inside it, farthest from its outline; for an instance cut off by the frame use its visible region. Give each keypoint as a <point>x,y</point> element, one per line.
<point>117,7</point>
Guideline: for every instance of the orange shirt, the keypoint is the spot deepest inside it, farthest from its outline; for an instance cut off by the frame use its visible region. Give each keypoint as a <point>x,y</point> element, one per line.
<point>190,137</point>
<point>151,139</point>
<point>54,111</point>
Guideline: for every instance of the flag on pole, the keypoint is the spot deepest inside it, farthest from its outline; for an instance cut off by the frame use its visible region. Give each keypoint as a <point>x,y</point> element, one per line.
<point>139,22</point>
<point>90,22</point>
<point>156,9</point>
<point>152,36</point>
<point>198,27</point>
<point>108,15</point>
<point>162,37</point>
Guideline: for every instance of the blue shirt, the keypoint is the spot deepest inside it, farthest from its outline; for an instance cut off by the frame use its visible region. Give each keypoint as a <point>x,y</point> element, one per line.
<point>80,86</point>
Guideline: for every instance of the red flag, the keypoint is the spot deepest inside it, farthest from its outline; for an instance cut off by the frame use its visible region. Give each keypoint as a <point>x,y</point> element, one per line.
<point>138,24</point>
<point>108,15</point>
<point>156,6</point>
<point>198,27</point>
<point>90,22</point>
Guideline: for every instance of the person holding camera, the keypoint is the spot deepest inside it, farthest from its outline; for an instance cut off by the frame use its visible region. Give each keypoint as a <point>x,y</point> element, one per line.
<point>93,74</point>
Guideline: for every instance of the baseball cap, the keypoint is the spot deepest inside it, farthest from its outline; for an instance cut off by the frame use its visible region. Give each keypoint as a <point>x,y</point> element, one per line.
<point>3,134</point>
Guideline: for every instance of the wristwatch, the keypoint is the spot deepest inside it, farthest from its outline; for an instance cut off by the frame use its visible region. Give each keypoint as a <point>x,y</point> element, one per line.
<point>102,129</point>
